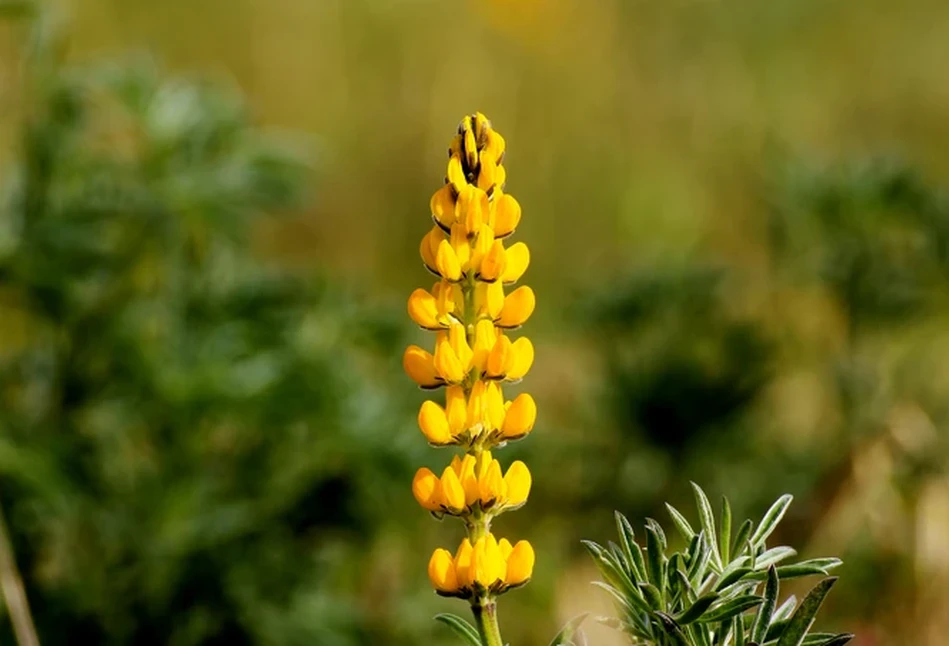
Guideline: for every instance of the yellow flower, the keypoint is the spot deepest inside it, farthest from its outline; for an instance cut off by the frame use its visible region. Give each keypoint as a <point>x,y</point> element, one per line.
<point>520,564</point>
<point>441,572</point>
<point>453,355</point>
<point>507,215</point>
<point>494,263</point>
<point>469,310</point>
<point>427,489</point>
<point>420,366</point>
<point>518,306</point>
<point>520,417</point>
<point>517,257</point>
<point>433,423</point>
<point>473,483</point>
<point>487,566</point>
<point>433,310</point>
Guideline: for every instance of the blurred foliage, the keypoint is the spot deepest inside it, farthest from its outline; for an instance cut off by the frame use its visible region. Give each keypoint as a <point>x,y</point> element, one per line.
<point>194,444</point>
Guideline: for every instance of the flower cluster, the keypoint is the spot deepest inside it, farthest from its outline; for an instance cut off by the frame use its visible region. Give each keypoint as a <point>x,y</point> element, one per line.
<point>472,483</point>
<point>488,566</point>
<point>472,316</point>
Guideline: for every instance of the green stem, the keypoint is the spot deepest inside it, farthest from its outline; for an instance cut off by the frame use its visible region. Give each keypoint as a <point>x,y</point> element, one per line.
<point>486,616</point>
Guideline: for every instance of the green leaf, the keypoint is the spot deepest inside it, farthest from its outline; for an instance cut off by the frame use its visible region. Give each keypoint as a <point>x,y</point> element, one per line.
<point>674,580</point>
<point>732,608</point>
<point>741,537</point>
<point>827,639</point>
<point>696,610</point>
<point>771,519</point>
<point>775,630</point>
<point>786,609</point>
<point>707,519</point>
<point>732,576</point>
<point>774,555</point>
<point>738,629</point>
<point>804,616</point>
<point>612,572</point>
<point>699,633</point>
<point>653,524</point>
<point>700,561</point>
<point>461,628</point>
<point>628,602</point>
<point>628,542</point>
<point>565,636</point>
<point>797,570</point>
<point>763,620</point>
<point>652,595</point>
<point>685,529</point>
<point>725,531</point>
<point>654,556</point>
<point>672,629</point>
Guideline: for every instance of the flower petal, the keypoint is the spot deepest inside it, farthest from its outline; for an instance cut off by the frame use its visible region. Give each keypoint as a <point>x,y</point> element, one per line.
<point>520,564</point>
<point>520,417</point>
<point>420,366</point>
<point>507,215</point>
<point>441,572</point>
<point>518,482</point>
<point>518,307</point>
<point>423,309</point>
<point>434,424</point>
<point>425,488</point>
<point>443,207</point>
<point>521,359</point>
<point>517,258</point>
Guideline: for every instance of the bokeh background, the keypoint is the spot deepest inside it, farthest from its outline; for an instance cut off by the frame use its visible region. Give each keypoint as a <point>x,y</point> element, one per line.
<point>209,227</point>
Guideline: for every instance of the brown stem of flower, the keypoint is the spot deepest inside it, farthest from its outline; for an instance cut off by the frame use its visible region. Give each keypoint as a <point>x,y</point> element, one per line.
<point>486,617</point>
<point>13,593</point>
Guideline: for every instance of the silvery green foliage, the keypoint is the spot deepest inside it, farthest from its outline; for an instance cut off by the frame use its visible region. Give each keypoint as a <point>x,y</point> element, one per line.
<point>722,590</point>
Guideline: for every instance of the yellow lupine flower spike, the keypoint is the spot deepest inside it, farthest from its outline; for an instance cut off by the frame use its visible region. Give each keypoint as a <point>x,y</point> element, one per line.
<point>469,309</point>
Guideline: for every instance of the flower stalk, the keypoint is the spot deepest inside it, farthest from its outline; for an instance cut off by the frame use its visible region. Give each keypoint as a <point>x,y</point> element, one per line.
<point>486,617</point>
<point>474,357</point>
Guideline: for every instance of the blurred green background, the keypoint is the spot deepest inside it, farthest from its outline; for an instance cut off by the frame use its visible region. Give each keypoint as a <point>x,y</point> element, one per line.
<point>209,226</point>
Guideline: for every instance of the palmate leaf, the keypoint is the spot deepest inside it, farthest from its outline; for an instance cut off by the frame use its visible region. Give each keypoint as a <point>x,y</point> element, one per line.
<point>706,594</point>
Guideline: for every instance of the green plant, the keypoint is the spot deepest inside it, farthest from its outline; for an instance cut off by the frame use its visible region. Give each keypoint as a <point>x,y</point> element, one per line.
<point>721,590</point>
